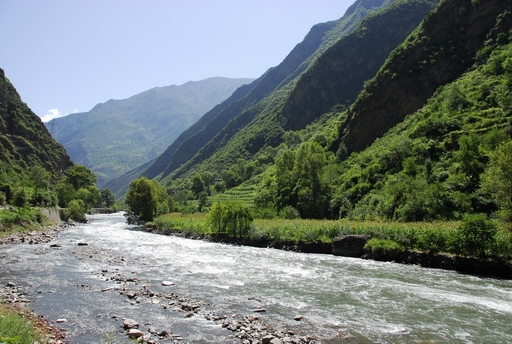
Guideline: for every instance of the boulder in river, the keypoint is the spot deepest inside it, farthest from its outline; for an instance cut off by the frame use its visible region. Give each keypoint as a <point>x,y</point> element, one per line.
<point>133,333</point>
<point>130,323</point>
<point>349,245</point>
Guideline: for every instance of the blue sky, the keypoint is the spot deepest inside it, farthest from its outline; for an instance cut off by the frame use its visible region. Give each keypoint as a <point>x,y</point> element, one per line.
<point>67,56</point>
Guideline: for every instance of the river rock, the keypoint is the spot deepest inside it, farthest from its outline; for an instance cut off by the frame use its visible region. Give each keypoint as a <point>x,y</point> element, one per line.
<point>130,323</point>
<point>60,321</point>
<point>167,283</point>
<point>267,339</point>
<point>349,245</point>
<point>134,333</point>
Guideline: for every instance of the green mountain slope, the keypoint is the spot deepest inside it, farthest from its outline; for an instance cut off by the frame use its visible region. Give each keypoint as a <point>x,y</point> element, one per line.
<point>290,105</point>
<point>192,141</point>
<point>119,135</point>
<point>438,52</point>
<point>430,166</point>
<point>419,141</point>
<point>24,140</point>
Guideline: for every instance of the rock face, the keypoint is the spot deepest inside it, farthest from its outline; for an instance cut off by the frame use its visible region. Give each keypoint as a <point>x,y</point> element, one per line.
<point>349,245</point>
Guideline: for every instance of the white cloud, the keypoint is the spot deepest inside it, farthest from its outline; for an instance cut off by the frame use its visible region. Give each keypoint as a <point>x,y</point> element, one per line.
<point>54,113</point>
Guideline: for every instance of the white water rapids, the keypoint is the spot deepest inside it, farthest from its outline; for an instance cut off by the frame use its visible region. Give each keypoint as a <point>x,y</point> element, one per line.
<point>352,300</point>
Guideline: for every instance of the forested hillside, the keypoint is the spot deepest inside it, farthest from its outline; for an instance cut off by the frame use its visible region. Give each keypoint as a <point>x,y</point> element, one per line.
<point>36,170</point>
<point>24,141</point>
<point>267,93</point>
<point>403,119</point>
<point>119,135</point>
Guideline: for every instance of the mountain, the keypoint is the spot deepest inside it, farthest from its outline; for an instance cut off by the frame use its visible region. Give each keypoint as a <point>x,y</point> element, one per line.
<point>24,140</point>
<point>257,100</point>
<point>246,101</point>
<point>441,49</point>
<point>420,142</point>
<point>328,74</point>
<point>119,135</point>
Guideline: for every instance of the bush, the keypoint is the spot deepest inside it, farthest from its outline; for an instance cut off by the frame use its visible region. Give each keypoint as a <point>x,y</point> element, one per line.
<point>234,219</point>
<point>289,213</point>
<point>476,236</point>
<point>384,249</point>
<point>432,240</point>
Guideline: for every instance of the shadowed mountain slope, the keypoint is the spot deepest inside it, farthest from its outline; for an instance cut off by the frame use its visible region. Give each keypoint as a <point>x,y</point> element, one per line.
<point>24,140</point>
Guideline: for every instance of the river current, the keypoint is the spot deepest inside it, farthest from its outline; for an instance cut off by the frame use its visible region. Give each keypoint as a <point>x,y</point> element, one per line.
<point>341,300</point>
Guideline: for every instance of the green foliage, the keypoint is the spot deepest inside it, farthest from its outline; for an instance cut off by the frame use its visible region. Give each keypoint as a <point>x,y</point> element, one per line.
<point>21,219</point>
<point>80,176</point>
<point>16,327</point>
<point>497,179</point>
<point>147,199</point>
<point>231,218</point>
<point>431,166</point>
<point>383,249</point>
<point>76,210</point>
<point>476,236</point>
<point>107,198</point>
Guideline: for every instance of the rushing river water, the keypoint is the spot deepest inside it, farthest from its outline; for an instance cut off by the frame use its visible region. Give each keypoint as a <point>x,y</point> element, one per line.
<point>353,300</point>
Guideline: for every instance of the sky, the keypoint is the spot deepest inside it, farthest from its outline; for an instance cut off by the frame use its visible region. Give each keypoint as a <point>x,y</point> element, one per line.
<point>67,56</point>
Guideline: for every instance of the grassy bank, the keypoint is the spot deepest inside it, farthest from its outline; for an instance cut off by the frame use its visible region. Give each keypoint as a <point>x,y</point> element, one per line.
<point>19,326</point>
<point>20,220</point>
<point>430,237</point>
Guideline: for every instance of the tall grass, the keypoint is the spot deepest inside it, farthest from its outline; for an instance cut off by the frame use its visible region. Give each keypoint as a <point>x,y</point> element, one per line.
<point>422,236</point>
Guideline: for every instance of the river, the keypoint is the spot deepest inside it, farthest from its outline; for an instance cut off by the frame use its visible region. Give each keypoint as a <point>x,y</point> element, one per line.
<point>341,300</point>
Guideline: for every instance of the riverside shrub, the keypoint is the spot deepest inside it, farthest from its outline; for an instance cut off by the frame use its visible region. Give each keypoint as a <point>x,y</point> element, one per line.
<point>476,236</point>
<point>383,249</point>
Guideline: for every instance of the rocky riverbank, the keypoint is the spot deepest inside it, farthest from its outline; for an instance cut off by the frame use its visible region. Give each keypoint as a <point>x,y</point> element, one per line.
<point>247,329</point>
<point>35,237</point>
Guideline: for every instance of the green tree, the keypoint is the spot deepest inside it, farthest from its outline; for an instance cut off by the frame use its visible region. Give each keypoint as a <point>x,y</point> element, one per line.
<point>40,178</point>
<point>197,185</point>
<point>75,210</point>
<point>80,176</point>
<point>232,218</point>
<point>107,198</point>
<point>497,179</point>
<point>311,190</point>
<point>476,236</point>
<point>141,200</point>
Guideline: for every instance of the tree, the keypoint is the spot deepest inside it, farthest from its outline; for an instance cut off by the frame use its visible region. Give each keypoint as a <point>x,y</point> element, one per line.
<point>197,185</point>
<point>147,199</point>
<point>40,178</point>
<point>497,179</point>
<point>107,198</point>
<point>233,218</point>
<point>80,176</point>
<point>141,200</point>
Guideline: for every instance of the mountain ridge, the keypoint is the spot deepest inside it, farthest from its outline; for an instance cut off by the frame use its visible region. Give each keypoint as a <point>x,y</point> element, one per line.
<point>118,135</point>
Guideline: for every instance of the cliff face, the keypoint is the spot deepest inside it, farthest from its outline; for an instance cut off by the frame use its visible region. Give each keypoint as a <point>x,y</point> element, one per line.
<point>24,140</point>
<point>439,51</point>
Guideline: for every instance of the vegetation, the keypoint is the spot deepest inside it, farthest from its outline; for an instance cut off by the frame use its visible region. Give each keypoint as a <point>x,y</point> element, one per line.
<point>147,199</point>
<point>17,326</point>
<point>453,237</point>
<point>120,135</point>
